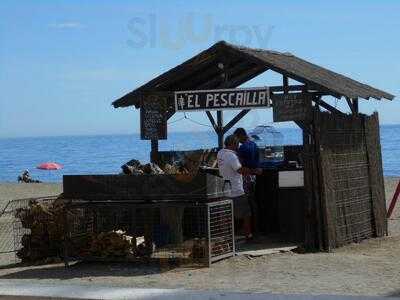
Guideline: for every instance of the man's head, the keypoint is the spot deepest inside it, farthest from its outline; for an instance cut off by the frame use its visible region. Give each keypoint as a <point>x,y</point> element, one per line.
<point>231,142</point>
<point>241,134</point>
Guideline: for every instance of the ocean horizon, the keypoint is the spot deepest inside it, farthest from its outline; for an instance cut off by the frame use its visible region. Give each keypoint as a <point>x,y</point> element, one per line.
<point>104,154</point>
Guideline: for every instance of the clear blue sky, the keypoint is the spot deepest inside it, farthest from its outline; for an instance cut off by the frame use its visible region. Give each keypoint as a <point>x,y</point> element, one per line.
<point>62,63</point>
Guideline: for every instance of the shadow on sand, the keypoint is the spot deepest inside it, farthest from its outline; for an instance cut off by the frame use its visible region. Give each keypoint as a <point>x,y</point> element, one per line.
<point>394,294</point>
<point>88,269</point>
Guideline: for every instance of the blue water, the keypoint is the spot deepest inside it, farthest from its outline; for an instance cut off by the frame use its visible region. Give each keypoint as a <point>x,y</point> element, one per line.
<point>105,154</point>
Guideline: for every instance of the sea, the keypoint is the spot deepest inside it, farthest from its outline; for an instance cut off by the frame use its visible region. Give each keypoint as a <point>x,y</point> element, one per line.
<point>104,154</point>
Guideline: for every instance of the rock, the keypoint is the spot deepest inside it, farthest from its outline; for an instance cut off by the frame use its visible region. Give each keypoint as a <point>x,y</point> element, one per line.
<point>152,169</point>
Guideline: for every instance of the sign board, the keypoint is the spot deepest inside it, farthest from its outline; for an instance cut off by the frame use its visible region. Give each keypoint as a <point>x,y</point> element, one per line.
<point>291,107</point>
<point>246,98</point>
<point>153,120</point>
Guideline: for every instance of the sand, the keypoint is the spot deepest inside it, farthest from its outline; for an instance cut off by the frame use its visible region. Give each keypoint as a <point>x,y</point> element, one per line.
<point>369,268</point>
<point>10,191</point>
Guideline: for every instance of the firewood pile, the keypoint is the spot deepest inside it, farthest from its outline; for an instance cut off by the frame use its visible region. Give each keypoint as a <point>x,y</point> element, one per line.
<point>45,223</point>
<point>135,167</point>
<point>110,244</point>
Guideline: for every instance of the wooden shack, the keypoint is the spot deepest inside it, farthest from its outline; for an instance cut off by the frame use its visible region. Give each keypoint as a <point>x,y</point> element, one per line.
<point>342,199</point>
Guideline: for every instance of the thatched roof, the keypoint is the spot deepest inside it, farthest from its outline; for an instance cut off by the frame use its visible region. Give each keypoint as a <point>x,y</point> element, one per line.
<point>242,64</point>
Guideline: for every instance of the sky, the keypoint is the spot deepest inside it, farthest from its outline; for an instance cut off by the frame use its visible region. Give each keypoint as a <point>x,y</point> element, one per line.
<point>62,63</point>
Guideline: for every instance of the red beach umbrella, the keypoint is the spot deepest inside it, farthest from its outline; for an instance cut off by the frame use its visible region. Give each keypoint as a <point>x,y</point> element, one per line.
<point>49,166</point>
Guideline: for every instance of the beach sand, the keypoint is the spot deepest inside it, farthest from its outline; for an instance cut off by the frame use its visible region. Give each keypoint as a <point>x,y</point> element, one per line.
<point>11,191</point>
<point>369,268</point>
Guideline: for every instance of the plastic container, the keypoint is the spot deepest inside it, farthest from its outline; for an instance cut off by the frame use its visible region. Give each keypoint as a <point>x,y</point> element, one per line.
<point>270,142</point>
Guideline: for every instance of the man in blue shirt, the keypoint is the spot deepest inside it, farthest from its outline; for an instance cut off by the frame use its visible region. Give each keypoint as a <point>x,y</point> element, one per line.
<point>248,151</point>
<point>250,158</point>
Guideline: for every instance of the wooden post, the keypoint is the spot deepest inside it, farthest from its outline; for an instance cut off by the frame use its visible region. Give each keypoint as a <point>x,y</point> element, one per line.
<point>154,151</point>
<point>212,121</point>
<point>355,105</point>
<point>285,84</point>
<point>236,119</point>
<point>220,125</point>
<point>393,202</point>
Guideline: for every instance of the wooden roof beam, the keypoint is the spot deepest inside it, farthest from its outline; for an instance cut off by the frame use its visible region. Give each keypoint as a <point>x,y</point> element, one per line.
<point>209,74</point>
<point>327,106</point>
<point>212,120</point>
<point>353,105</point>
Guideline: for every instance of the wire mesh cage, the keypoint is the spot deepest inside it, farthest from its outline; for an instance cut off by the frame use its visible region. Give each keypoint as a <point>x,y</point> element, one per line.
<point>18,228</point>
<point>181,233</point>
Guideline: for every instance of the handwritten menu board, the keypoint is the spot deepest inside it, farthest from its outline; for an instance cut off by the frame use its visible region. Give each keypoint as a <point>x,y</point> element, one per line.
<point>153,121</point>
<point>291,107</point>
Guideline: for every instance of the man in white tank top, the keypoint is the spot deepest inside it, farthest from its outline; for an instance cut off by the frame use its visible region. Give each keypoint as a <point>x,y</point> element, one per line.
<point>231,170</point>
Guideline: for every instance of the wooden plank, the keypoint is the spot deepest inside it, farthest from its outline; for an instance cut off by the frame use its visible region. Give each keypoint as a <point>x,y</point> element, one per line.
<point>373,146</point>
<point>221,99</point>
<point>292,107</point>
<point>153,119</point>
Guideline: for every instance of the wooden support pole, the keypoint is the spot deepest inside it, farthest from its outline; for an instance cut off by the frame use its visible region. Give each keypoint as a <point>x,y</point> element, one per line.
<point>355,105</point>
<point>154,151</point>
<point>220,126</point>
<point>328,107</point>
<point>212,121</point>
<point>285,84</point>
<point>350,104</point>
<point>305,127</point>
<point>236,119</point>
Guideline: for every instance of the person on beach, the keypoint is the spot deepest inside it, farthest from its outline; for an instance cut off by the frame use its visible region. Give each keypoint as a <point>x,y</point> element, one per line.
<point>249,156</point>
<point>26,178</point>
<point>232,171</point>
